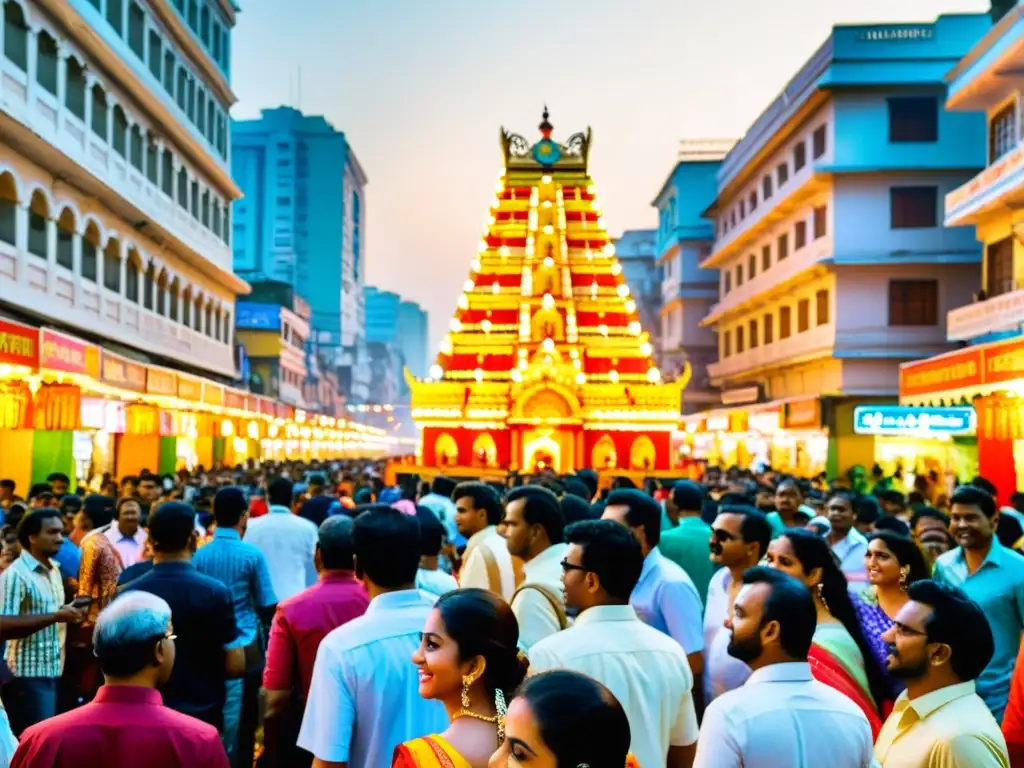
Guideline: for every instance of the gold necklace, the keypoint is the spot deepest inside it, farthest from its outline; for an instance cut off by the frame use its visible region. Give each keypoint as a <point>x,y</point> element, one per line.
<point>493,719</point>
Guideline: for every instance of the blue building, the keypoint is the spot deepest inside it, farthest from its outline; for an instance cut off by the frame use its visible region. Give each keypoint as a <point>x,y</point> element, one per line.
<point>834,264</point>
<point>396,335</point>
<point>301,222</point>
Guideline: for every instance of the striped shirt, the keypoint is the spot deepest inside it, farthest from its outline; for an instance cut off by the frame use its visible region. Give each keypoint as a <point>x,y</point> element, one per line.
<point>29,588</point>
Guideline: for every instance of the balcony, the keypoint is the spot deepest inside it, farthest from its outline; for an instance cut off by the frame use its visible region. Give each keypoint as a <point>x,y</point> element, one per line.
<point>999,313</point>
<point>999,185</point>
<point>809,345</point>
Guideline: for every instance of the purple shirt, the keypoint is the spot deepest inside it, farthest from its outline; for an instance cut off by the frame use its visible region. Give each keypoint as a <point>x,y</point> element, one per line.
<point>305,619</point>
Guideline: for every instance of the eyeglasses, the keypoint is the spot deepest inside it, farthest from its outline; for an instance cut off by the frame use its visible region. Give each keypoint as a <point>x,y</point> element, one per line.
<point>567,566</point>
<point>720,535</point>
<point>903,629</point>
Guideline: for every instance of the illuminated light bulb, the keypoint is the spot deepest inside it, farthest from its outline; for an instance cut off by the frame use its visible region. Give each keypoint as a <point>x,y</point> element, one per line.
<point>573,354</point>
<point>463,303</point>
<point>545,179</point>
<point>482,247</point>
<point>504,251</point>
<point>456,326</point>
<point>485,325</point>
<point>577,364</point>
<point>548,229</point>
<point>491,220</point>
<point>548,261</point>
<point>590,255</point>
<point>523,364</point>
<point>495,287</point>
<point>548,301</point>
<point>622,290</point>
<point>609,249</point>
<point>653,375</point>
<point>600,222</point>
<point>630,305</point>
<point>522,352</point>
<point>581,378</point>
<point>546,204</point>
<point>446,345</point>
<point>616,268</point>
<point>590,189</point>
<point>499,188</point>
<point>478,374</point>
<point>614,376</point>
<point>646,349</point>
<point>602,329</point>
<point>516,375</point>
<point>595,206</point>
<point>436,372</point>
<point>468,286</point>
<point>634,328</point>
<point>548,345</point>
<point>475,265</point>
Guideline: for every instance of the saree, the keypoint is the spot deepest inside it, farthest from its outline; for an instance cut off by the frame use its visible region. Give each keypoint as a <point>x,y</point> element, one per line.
<point>427,752</point>
<point>836,661</point>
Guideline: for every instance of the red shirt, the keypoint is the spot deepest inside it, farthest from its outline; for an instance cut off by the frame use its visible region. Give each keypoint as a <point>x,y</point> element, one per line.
<point>305,619</point>
<point>123,727</point>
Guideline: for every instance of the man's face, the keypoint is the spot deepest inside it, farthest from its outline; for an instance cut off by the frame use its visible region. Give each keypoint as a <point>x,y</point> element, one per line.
<point>970,527</point>
<point>787,499</point>
<point>128,518</point>
<point>518,535</point>
<point>469,519</point>
<point>619,513</point>
<point>149,490</point>
<point>6,493</point>
<point>745,643</point>
<point>840,514</point>
<point>43,501</point>
<point>892,507</point>
<point>60,487</point>
<point>907,639</point>
<point>49,538</point>
<point>726,546</point>
<point>128,488</point>
<point>765,500</point>
<point>575,580</point>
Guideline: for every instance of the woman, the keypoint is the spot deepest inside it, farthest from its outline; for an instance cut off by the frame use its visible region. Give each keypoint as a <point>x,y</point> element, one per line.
<point>893,563</point>
<point>469,660</point>
<point>840,656</point>
<point>563,719</point>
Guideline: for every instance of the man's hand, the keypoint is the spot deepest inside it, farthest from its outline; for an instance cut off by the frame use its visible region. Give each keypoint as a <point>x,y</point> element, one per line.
<point>69,615</point>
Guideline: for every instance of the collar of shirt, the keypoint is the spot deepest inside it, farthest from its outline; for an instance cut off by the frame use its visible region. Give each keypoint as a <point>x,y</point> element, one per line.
<point>128,694</point>
<point>226,533</point>
<point>339,577</point>
<point>787,672</point>
<point>925,705</point>
<point>277,509</point>
<point>549,556</point>
<point>35,565</point>
<point>395,601</point>
<point>601,614</point>
<point>993,558</point>
<point>853,538</point>
<point>651,562</point>
<point>174,566</point>
<point>115,535</point>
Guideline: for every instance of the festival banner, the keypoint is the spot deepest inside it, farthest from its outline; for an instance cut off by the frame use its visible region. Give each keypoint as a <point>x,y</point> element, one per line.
<point>160,381</point>
<point>213,394</point>
<point>19,345</point>
<point>122,372</point>
<point>956,370</point>
<point>59,352</point>
<point>234,399</point>
<point>1004,362</point>
<point>190,388</point>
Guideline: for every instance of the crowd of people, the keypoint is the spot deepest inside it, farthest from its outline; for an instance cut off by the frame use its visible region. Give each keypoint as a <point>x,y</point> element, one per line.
<point>289,615</point>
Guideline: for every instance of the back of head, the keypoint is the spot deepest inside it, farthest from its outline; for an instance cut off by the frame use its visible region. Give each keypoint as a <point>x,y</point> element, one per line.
<point>127,631</point>
<point>70,504</point>
<point>540,507</point>
<point>443,486</point>
<point>609,552</point>
<point>893,524</point>
<point>387,546</point>
<point>960,623</point>
<point>986,485</point>
<point>482,624</point>
<point>484,497</point>
<point>644,512</point>
<point>99,509</point>
<point>576,487</point>
<point>431,532</point>
<point>579,719</point>
<point>171,526</point>
<point>336,543</point>
<point>590,479</point>
<point>229,505</point>
<point>279,492</point>
<point>574,509</point>
<point>791,605</point>
<point>688,496</point>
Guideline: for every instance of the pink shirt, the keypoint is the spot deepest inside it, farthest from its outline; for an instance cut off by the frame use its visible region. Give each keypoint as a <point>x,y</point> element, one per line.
<point>305,619</point>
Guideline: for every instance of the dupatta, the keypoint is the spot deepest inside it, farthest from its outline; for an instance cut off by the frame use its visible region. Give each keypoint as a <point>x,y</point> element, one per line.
<point>427,752</point>
<point>829,669</point>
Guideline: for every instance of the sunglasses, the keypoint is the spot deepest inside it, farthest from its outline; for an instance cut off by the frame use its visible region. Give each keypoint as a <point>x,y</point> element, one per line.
<point>567,566</point>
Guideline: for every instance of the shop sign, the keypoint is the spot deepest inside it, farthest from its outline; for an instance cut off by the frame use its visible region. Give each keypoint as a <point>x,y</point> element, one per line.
<point>803,414</point>
<point>717,424</point>
<point>981,184</point>
<point>66,353</point>
<point>123,373</point>
<point>234,400</point>
<point>956,370</point>
<point>1000,313</point>
<point>766,423</point>
<point>19,345</point>
<point>906,420</point>
<point>213,394</point>
<point>161,382</point>
<point>742,396</point>
<point>1003,362</point>
<point>900,34</point>
<point>189,388</point>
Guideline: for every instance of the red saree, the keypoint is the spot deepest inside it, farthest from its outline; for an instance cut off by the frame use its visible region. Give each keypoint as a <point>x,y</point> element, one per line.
<point>828,670</point>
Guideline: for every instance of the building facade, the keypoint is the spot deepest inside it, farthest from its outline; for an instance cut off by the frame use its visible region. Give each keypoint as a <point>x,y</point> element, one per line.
<point>412,335</point>
<point>635,249</point>
<point>688,290</point>
<point>302,222</point>
<point>396,336</point>
<point>834,264</point>
<point>989,373</point>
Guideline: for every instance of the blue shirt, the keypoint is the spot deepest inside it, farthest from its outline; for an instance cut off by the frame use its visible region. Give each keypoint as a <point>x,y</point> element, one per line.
<point>243,570</point>
<point>364,699</point>
<point>998,587</point>
<point>69,558</point>
<point>666,599</point>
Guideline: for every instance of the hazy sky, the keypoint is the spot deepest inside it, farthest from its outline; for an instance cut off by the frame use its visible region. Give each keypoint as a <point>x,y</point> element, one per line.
<point>421,88</point>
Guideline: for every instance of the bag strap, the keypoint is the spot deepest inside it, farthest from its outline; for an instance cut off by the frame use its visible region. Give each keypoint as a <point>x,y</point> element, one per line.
<point>553,600</point>
<point>493,572</point>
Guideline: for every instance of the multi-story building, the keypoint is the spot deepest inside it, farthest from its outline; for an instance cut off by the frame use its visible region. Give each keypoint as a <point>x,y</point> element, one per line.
<point>273,324</point>
<point>990,372</point>
<point>396,334</point>
<point>635,249</point>
<point>412,336</point>
<point>302,221</point>
<point>834,265</point>
<point>115,199</point>
<point>684,240</point>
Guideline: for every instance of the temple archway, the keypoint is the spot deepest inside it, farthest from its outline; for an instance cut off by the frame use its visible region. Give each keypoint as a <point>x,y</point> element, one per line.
<point>485,451</point>
<point>642,454</point>
<point>546,404</point>
<point>547,324</point>
<point>541,453</point>
<point>604,455</point>
<point>446,451</point>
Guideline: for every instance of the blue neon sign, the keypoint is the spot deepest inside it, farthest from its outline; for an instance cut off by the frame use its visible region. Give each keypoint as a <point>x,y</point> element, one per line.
<point>904,420</point>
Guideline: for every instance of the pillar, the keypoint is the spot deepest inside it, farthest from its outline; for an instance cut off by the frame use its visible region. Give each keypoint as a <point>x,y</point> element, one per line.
<point>51,252</point>
<point>62,84</point>
<point>32,41</point>
<point>21,236</point>
<point>76,265</point>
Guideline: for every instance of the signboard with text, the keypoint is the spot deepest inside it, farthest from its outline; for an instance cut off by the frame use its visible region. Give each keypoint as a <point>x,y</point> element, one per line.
<point>998,363</point>
<point>910,421</point>
<point>59,352</point>
<point>122,372</point>
<point>19,345</point>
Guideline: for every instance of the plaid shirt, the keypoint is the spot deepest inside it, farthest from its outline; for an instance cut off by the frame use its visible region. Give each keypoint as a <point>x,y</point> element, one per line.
<point>29,587</point>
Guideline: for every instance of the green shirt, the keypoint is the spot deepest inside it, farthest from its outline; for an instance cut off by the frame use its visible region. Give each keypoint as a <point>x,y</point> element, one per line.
<point>686,545</point>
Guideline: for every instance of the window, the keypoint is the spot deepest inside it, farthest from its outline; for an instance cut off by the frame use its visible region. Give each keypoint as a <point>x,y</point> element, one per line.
<point>131,283</point>
<point>914,207</point>
<point>172,302</point>
<point>739,340</point>
<point>768,328</point>
<point>190,99</point>
<point>785,321</point>
<point>7,209</point>
<point>799,235</point>
<point>782,174</point>
<point>752,329</point>
<point>115,16</point>
<point>999,268</point>
<point>1002,132</point>
<point>156,53</point>
<point>147,289</point>
<point>74,98</point>
<point>732,218</point>
<point>803,315</point>
<point>112,266</point>
<point>120,138</point>
<point>821,308</point>
<point>65,239</point>
<point>753,201</point>
<point>193,14</point>
<point>913,302</point>
<point>183,188</point>
<point>151,162</point>
<point>204,26</point>
<point>201,110</point>
<point>766,187</point>
<point>90,249</point>
<point>169,67</point>
<point>818,141</point>
<point>799,157</point>
<point>216,42</point>
<point>194,208</point>
<point>284,201</point>
<point>739,275</point>
<point>766,258</point>
<point>726,282</point>
<point>913,118</point>
<point>15,35</point>
<point>181,93</point>
<point>205,209</point>
<point>99,112</point>
<point>37,218</point>
<point>136,29</point>
<point>751,266</point>
<point>135,150</point>
<point>783,249</point>
<point>167,174</point>
<point>820,221</point>
<point>161,295</point>
<point>46,62</point>
<point>743,209</point>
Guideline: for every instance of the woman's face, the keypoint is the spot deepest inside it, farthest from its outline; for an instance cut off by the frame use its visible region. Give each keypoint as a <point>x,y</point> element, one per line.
<point>438,661</point>
<point>881,564</point>
<point>523,744</point>
<point>780,555</point>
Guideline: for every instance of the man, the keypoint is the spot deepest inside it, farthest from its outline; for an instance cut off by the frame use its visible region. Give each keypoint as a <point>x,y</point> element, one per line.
<point>686,545</point>
<point>939,643</point>
<point>534,533</point>
<point>300,625</point>
<point>848,544</point>
<point>126,725</point>
<point>486,563</point>
<point>993,577</point>
<point>429,576</point>
<point>645,669</point>
<point>439,501</point>
<point>69,556</point>
<point>364,699</point>
<point>203,616</point>
<point>287,541</point>
<point>33,620</point>
<point>781,717</point>
<point>59,483</point>
<point>149,489</point>
<point>7,495</point>
<point>788,498</point>
<point>664,597</point>
<point>41,496</point>
<point>128,536</point>
<point>241,568</point>
<point>129,485</point>
<point>739,539</point>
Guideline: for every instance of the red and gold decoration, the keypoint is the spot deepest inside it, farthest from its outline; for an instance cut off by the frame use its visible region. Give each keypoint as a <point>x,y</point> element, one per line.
<point>546,365</point>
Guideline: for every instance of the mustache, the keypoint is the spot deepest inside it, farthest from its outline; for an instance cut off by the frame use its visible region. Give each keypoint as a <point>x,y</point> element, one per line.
<point>892,650</point>
<point>715,548</point>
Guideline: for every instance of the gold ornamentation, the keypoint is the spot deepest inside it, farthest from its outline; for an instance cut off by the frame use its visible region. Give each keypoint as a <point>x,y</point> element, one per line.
<point>904,576</point>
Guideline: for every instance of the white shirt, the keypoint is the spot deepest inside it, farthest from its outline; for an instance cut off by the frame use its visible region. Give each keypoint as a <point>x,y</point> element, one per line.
<point>289,543</point>
<point>645,669</point>
<point>722,672</point>
<point>364,699</point>
<point>783,718</point>
<point>474,570</point>
<point>435,582</point>
<point>537,617</point>
<point>851,550</point>
<point>128,547</point>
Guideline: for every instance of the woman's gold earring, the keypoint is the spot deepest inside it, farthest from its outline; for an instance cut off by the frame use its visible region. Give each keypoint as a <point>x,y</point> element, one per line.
<point>904,576</point>
<point>821,596</point>
<point>466,682</point>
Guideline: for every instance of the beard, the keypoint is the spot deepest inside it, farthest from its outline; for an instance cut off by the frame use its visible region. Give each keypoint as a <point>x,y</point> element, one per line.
<point>906,671</point>
<point>745,649</point>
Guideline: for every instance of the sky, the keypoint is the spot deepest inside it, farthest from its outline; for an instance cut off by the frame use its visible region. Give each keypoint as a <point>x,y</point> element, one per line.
<point>421,89</point>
